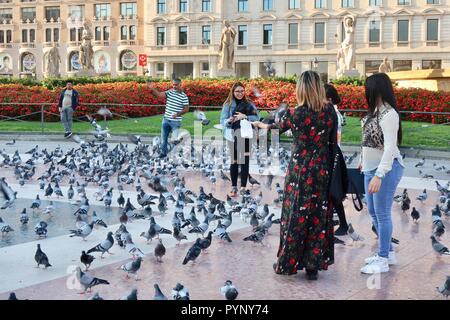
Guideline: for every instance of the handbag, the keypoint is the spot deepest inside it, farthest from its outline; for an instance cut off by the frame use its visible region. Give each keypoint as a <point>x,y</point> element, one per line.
<point>356,187</point>
<point>339,179</point>
<point>246,129</point>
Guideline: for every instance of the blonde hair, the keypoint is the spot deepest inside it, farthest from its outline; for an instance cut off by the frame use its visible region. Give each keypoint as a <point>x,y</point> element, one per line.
<point>310,91</point>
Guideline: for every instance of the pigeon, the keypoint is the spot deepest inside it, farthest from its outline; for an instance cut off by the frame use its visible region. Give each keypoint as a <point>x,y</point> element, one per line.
<point>423,196</point>
<point>439,247</point>
<point>201,228</point>
<point>160,251</point>
<point>96,296</point>
<point>224,176</point>
<point>87,280</point>
<point>420,163</point>
<point>229,290</point>
<point>86,259</point>
<point>393,240</point>
<point>441,189</point>
<point>178,235</point>
<point>49,190</point>
<point>221,232</point>
<point>132,267</point>
<point>24,217</point>
<point>6,194</point>
<point>256,237</point>
<point>415,215</point>
<point>439,230</point>
<point>130,246</point>
<point>158,293</point>
<point>41,229</point>
<point>338,241</point>
<point>253,181</point>
<point>104,246</point>
<point>406,204</point>
<point>12,296</point>
<point>352,233</point>
<point>425,175</point>
<point>83,232</point>
<point>41,258</point>
<point>445,288</point>
<point>193,252</point>
<point>180,292</point>
<point>121,200</point>
<point>206,242</point>
<point>70,192</point>
<point>11,143</point>
<point>131,296</point>
<point>135,139</point>
<point>36,203</point>
<point>201,116</point>
<point>4,227</point>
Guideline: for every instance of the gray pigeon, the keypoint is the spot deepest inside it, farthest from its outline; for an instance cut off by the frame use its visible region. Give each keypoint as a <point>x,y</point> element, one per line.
<point>160,251</point>
<point>104,246</point>
<point>132,267</point>
<point>180,292</point>
<point>158,293</point>
<point>445,288</point>
<point>41,258</point>
<point>87,280</point>
<point>352,233</point>
<point>178,235</point>
<point>131,296</point>
<point>84,231</point>
<point>96,296</point>
<point>439,247</point>
<point>257,237</point>
<point>229,290</point>
<point>193,252</point>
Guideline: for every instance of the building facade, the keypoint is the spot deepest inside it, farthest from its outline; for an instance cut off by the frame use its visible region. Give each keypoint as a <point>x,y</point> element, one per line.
<point>29,29</point>
<point>182,37</point>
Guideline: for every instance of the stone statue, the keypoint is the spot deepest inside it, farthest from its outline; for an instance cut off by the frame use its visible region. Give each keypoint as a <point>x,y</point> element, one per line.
<point>347,45</point>
<point>385,66</point>
<point>340,63</point>
<point>86,50</point>
<point>226,47</point>
<point>53,60</point>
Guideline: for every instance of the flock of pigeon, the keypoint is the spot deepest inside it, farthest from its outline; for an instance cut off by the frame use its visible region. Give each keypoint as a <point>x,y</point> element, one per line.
<point>96,164</point>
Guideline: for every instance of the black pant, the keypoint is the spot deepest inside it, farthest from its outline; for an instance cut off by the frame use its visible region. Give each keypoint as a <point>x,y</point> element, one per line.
<point>339,207</point>
<point>240,156</point>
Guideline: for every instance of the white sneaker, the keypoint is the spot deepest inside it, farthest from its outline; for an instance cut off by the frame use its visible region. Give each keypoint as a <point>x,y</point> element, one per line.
<point>378,265</point>
<point>392,260</point>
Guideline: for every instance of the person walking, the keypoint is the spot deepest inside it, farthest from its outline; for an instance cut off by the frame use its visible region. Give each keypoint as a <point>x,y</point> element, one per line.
<point>177,104</point>
<point>382,165</point>
<point>334,98</point>
<point>67,103</point>
<point>236,108</point>
<point>306,230</point>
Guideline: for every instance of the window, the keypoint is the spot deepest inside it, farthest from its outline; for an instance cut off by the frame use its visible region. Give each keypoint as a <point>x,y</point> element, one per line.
<point>319,4</point>
<point>374,31</point>
<point>128,9</point>
<point>267,34</point>
<point>242,5</point>
<point>206,34</point>
<point>433,2</point>
<point>73,34</point>
<point>123,32</point>
<point>402,65</point>
<point>432,29</point>
<point>294,4</point>
<point>2,36</point>
<point>5,14</point>
<point>132,32</point>
<point>98,33</point>
<point>102,10</point>
<point>106,33</point>
<point>372,66</point>
<point>161,7</point>
<point>431,64</point>
<point>28,14</point>
<point>375,3</point>
<point>48,35</point>
<point>267,5</point>
<point>32,35</point>
<point>80,33</point>
<point>8,36</point>
<point>347,4</point>
<point>55,35</point>
<point>293,68</point>
<point>293,33</point>
<point>319,32</point>
<point>76,12</point>
<point>24,35</point>
<point>242,35</point>
<point>183,5</point>
<point>403,31</point>
<point>403,2</point>
<point>160,36</point>
<point>182,35</point>
<point>52,12</point>
<point>206,5</point>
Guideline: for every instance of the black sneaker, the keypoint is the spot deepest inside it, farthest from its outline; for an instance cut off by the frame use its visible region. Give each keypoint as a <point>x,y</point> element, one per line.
<point>312,274</point>
<point>341,231</point>
<point>66,135</point>
<point>69,134</point>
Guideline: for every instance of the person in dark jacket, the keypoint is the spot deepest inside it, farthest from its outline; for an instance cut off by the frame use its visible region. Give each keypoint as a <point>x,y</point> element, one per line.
<point>68,102</point>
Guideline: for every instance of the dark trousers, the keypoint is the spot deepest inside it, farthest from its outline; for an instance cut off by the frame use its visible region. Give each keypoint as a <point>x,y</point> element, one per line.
<point>240,156</point>
<point>339,207</point>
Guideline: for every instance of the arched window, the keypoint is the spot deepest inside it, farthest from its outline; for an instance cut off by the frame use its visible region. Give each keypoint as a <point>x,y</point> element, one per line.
<point>106,32</point>
<point>48,35</point>
<point>133,33</point>
<point>124,33</point>
<point>98,33</point>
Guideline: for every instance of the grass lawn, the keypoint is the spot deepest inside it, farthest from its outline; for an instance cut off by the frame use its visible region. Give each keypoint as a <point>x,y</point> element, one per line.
<point>415,134</point>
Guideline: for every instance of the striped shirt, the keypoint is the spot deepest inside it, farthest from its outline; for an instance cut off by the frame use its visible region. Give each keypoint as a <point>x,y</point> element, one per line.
<point>176,101</point>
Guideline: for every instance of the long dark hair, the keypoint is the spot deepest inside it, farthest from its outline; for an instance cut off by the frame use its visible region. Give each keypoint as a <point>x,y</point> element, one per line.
<point>331,93</point>
<point>379,86</point>
<point>230,97</point>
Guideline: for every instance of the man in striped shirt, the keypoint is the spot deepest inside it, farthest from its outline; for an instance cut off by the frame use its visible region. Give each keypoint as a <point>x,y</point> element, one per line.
<point>177,104</point>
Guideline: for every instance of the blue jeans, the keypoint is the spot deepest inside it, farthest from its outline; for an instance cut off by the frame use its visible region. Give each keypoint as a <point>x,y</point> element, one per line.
<point>379,205</point>
<point>167,127</point>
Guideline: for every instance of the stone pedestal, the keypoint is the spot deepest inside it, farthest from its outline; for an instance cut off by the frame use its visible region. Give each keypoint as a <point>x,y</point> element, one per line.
<point>352,74</point>
<point>226,73</point>
<point>85,73</point>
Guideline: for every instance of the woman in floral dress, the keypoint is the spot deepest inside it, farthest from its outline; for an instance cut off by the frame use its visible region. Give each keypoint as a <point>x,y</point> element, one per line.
<point>306,233</point>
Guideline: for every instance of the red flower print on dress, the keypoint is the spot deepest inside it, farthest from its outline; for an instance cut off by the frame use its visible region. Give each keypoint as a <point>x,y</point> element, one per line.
<point>292,261</point>
<point>316,251</point>
<point>301,220</point>
<point>315,221</point>
<point>307,121</point>
<point>309,181</point>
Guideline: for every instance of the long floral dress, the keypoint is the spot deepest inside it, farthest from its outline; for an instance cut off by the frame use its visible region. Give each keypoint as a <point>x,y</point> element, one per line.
<point>306,233</point>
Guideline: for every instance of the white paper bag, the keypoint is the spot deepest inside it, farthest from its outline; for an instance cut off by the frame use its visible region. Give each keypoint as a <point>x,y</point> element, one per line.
<point>246,129</point>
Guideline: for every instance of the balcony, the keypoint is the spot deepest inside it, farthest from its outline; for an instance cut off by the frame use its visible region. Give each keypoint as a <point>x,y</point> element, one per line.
<point>128,42</point>
<point>6,22</point>
<point>101,18</point>
<point>267,47</point>
<point>103,43</point>
<point>319,45</point>
<point>128,17</point>
<point>29,45</point>
<point>53,20</point>
<point>73,43</point>
<point>6,45</point>
<point>432,43</point>
<point>28,21</point>
<point>374,44</point>
<point>293,46</point>
<point>242,47</point>
<point>403,44</point>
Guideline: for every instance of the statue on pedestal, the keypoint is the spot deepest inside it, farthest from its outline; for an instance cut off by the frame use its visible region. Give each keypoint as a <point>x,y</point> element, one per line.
<point>86,50</point>
<point>347,45</point>
<point>385,66</point>
<point>226,47</point>
<point>53,60</point>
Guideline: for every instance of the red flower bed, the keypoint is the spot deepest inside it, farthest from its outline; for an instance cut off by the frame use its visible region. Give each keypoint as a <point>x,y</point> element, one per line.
<point>205,93</point>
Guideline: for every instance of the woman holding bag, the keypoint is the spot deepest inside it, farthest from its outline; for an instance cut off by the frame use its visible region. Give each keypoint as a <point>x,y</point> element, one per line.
<point>237,108</point>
